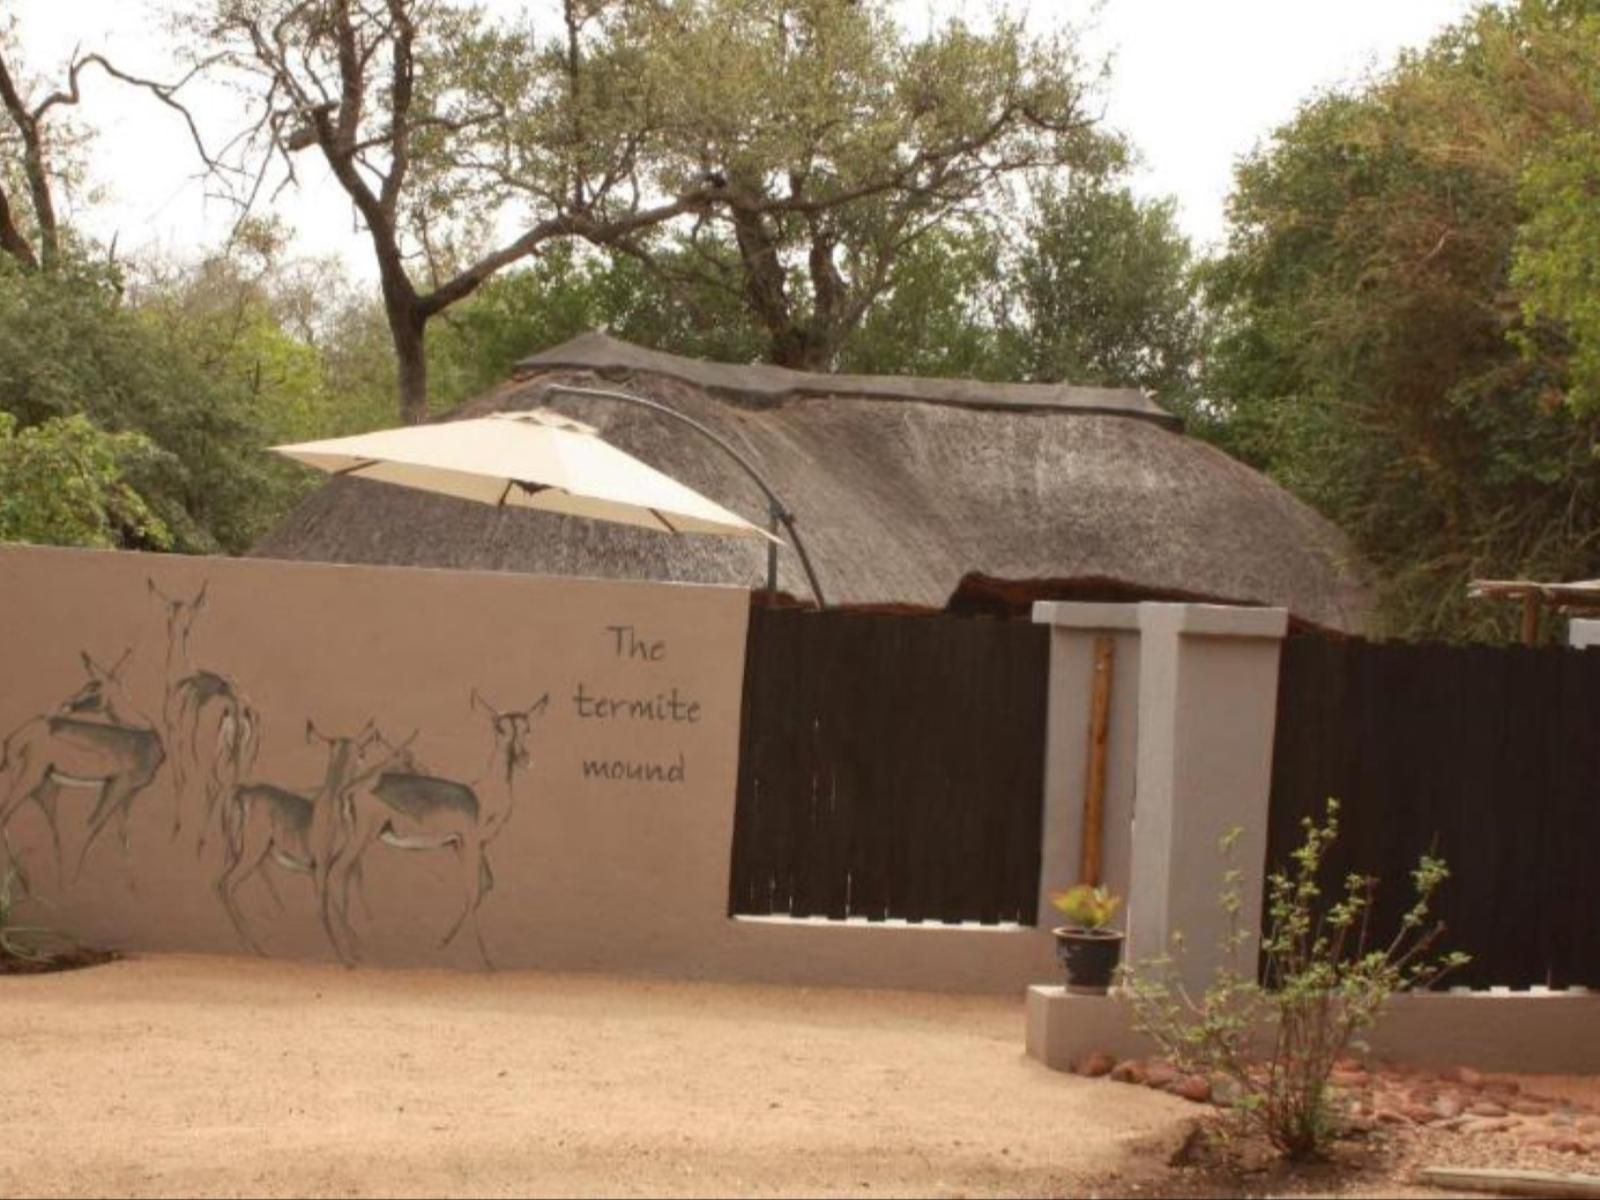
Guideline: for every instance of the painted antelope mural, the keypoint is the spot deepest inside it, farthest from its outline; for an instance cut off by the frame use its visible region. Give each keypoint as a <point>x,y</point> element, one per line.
<point>212,728</point>
<point>95,741</point>
<point>296,828</point>
<point>410,810</point>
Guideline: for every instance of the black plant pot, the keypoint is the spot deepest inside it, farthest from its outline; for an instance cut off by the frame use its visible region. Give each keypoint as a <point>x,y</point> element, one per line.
<point>1090,957</point>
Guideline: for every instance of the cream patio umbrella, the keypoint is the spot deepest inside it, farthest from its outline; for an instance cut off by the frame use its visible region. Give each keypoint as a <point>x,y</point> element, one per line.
<point>539,460</point>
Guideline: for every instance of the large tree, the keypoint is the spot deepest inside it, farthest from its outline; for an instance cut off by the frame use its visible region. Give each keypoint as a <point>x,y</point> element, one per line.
<point>42,148</point>
<point>837,142</point>
<point>786,152</point>
<point>1381,351</point>
<point>444,129</point>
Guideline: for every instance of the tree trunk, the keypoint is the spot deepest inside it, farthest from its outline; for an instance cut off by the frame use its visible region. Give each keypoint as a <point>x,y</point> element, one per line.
<point>801,347</point>
<point>11,239</point>
<point>406,326</point>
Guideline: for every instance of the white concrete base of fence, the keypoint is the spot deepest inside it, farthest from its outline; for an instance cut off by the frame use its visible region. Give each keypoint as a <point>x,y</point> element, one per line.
<point>1534,1032</point>
<point>898,955</point>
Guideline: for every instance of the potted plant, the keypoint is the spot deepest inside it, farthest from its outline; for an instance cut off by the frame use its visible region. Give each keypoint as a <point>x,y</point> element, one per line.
<point>1086,945</point>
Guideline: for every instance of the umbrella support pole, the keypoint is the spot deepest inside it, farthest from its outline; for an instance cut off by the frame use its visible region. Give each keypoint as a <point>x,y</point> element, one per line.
<point>777,513</point>
<point>774,514</point>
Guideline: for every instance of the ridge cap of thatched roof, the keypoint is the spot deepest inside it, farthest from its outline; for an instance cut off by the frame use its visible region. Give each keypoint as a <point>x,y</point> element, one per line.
<point>769,385</point>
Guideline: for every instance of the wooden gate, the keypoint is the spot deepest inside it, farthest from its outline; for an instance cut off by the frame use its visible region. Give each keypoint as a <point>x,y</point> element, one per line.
<point>891,767</point>
<point>1488,757</point>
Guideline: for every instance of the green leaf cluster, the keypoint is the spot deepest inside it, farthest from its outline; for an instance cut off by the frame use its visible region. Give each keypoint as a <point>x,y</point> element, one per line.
<point>138,410</point>
<point>65,483</point>
<point>1082,282</point>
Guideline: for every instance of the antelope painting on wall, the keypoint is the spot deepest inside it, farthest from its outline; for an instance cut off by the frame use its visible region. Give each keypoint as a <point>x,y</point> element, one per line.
<point>296,829</point>
<point>372,794</point>
<point>408,810</point>
<point>212,728</point>
<point>95,741</point>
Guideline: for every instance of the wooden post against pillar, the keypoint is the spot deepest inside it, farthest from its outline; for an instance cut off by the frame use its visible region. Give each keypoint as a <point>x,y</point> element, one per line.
<point>1530,618</point>
<point>1094,788</point>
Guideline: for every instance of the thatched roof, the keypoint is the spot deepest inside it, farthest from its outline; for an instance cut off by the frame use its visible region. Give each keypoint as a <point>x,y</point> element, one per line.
<point>903,489</point>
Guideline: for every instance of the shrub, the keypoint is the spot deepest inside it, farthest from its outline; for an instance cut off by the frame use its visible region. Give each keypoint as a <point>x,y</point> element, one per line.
<point>1324,981</point>
<point>27,943</point>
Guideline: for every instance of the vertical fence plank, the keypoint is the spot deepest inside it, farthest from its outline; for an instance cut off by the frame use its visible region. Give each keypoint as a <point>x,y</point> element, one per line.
<point>880,818</point>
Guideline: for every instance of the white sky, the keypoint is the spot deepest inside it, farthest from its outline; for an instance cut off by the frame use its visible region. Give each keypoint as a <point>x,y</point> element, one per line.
<point>1195,83</point>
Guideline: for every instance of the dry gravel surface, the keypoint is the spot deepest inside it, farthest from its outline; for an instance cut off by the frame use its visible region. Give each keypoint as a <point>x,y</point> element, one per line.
<point>228,1077</point>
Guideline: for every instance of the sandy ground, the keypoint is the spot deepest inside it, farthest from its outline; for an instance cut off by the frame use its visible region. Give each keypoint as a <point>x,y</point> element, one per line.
<point>223,1077</point>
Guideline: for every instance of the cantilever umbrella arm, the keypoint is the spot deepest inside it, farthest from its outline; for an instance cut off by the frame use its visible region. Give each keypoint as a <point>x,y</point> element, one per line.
<point>777,511</point>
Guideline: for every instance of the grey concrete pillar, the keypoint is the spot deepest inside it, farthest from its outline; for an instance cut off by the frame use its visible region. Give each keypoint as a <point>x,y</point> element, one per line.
<point>1583,633</point>
<point>1208,691</point>
<point>1074,627</point>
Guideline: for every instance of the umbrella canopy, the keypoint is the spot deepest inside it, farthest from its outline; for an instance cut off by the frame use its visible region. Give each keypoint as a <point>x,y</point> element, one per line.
<point>538,459</point>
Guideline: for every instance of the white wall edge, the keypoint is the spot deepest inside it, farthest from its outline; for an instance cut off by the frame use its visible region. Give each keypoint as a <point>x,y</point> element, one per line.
<point>1076,614</point>
<point>1213,620</point>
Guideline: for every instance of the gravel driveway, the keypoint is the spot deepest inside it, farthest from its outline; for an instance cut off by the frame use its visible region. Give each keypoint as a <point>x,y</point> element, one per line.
<point>219,1077</point>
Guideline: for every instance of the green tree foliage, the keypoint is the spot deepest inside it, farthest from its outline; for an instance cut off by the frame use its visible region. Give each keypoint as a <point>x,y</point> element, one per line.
<point>944,313</point>
<point>65,483</point>
<point>197,365</point>
<point>1105,291</point>
<point>1378,347</point>
<point>1089,284</point>
<point>1557,270</point>
<point>835,142</point>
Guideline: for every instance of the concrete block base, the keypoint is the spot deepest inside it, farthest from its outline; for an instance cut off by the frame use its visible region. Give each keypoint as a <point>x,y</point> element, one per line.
<point>1533,1032</point>
<point>1062,1027</point>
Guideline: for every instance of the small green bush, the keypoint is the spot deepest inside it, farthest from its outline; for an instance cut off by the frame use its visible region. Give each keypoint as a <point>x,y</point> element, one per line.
<point>1275,1044</point>
<point>26,943</point>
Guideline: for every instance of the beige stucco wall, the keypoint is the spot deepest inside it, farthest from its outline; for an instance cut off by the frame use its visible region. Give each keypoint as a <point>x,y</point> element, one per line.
<point>588,874</point>
<point>638,867</point>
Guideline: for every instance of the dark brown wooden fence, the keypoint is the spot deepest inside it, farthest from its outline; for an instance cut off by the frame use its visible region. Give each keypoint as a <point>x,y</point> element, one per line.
<point>891,766</point>
<point>1486,756</point>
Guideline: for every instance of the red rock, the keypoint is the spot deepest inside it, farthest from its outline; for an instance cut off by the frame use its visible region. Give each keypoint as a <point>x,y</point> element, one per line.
<point>1195,1088</point>
<point>1502,1087</point>
<point>1529,1108</point>
<point>1350,1079</point>
<point>1451,1123</point>
<point>1588,1125</point>
<point>1095,1065</point>
<point>1130,1070</point>
<point>1465,1076</point>
<point>1568,1145</point>
<point>1486,1125</point>
<point>1447,1107</point>
<point>1159,1074</point>
<point>1420,1114</point>
<point>1349,1064</point>
<point>1486,1108</point>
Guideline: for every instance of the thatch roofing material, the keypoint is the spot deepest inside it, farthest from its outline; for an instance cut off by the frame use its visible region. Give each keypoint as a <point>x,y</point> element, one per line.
<point>757,385</point>
<point>898,499</point>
